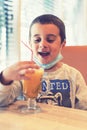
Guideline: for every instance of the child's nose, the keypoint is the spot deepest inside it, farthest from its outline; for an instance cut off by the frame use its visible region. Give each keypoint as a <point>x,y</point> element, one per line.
<point>43,43</point>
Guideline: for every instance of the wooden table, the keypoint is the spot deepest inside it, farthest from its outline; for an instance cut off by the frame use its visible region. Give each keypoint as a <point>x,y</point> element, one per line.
<point>50,118</point>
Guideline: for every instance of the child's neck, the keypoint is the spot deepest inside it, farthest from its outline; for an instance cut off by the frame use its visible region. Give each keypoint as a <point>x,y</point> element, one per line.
<point>54,68</point>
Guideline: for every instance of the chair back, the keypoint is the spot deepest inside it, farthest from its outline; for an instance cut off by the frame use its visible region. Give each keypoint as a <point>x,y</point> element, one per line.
<point>76,56</point>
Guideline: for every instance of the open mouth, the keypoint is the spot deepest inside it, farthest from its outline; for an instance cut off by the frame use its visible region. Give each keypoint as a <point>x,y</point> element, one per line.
<point>44,53</point>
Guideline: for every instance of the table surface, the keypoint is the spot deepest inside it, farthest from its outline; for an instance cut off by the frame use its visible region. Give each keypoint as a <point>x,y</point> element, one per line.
<point>50,118</point>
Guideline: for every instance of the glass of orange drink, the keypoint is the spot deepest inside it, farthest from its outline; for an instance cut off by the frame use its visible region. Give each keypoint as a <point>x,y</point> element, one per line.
<point>31,89</point>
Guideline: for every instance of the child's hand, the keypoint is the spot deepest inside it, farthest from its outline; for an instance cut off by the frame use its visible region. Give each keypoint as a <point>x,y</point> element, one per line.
<point>17,71</point>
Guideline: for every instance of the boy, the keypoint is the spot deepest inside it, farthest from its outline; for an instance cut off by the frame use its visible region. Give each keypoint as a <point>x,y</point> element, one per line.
<point>62,84</point>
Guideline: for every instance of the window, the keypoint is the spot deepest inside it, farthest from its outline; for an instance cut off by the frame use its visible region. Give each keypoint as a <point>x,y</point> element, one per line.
<point>9,47</point>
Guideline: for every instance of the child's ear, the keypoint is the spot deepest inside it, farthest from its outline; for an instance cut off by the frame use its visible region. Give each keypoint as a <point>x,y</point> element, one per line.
<point>64,43</point>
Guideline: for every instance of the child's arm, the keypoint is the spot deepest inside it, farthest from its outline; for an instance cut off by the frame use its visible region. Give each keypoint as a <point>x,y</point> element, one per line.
<point>81,93</point>
<point>8,93</point>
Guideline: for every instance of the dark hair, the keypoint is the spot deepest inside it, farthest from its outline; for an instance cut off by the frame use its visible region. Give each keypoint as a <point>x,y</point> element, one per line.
<point>50,19</point>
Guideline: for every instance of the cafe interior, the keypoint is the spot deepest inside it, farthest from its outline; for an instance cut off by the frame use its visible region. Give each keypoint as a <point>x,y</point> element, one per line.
<point>15,19</point>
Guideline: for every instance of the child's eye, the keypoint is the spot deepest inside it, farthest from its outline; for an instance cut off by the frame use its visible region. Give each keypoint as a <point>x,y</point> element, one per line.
<point>37,40</point>
<point>50,40</point>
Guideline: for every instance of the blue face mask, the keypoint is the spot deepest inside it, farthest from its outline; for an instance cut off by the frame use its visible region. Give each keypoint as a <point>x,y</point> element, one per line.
<point>51,64</point>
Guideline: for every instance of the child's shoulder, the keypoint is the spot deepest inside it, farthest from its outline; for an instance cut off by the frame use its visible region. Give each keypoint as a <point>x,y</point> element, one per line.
<point>70,68</point>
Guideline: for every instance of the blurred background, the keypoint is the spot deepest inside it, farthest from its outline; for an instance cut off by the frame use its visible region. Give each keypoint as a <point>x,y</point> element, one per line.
<point>16,16</point>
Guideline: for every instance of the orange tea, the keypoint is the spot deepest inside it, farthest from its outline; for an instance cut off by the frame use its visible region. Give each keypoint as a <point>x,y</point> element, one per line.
<point>32,86</point>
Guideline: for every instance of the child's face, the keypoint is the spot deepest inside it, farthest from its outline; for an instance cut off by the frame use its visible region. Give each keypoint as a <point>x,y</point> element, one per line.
<point>45,42</point>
